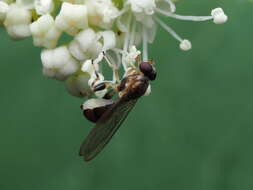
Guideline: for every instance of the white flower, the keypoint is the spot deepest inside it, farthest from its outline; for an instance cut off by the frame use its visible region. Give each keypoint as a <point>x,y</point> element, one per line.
<point>17,22</point>
<point>4,8</point>
<point>219,16</point>
<point>85,45</point>
<point>44,32</point>
<point>130,58</point>
<point>88,44</point>
<point>101,12</point>
<point>43,6</point>
<point>58,63</point>
<point>109,39</point>
<point>145,6</point>
<point>185,45</point>
<point>72,18</point>
<point>89,67</point>
<point>77,84</point>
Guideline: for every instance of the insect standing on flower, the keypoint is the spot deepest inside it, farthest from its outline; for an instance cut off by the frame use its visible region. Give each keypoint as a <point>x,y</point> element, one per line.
<point>110,114</point>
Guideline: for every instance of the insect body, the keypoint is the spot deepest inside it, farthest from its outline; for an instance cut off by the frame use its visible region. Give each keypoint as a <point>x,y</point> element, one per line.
<point>131,88</point>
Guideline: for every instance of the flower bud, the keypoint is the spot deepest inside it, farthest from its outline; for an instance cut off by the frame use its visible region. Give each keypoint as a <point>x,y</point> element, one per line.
<point>146,6</point>
<point>85,45</point>
<point>219,16</point>
<point>17,22</point>
<point>44,32</point>
<point>185,45</point>
<point>43,6</point>
<point>77,84</point>
<point>58,63</point>
<point>101,13</point>
<point>88,67</point>
<point>72,18</point>
<point>109,39</point>
<point>131,56</point>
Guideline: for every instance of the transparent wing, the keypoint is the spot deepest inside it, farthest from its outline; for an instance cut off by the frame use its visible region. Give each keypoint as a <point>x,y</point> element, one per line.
<point>105,128</point>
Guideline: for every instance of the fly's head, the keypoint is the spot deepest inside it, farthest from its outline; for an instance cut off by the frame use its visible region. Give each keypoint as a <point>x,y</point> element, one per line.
<point>148,69</point>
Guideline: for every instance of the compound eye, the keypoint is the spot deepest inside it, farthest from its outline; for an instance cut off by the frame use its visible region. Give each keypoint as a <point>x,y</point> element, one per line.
<point>147,69</point>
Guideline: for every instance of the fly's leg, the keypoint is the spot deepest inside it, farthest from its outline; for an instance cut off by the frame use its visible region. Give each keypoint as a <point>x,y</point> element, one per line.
<point>114,67</point>
<point>106,84</point>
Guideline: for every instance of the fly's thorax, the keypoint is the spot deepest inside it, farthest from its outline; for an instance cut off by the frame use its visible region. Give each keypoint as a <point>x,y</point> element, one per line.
<point>134,85</point>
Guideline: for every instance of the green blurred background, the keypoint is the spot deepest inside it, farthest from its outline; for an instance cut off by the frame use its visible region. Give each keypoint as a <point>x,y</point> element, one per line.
<point>195,131</point>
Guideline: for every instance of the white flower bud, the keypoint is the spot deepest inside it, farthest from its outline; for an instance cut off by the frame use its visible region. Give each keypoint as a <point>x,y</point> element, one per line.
<point>85,45</point>
<point>17,22</point>
<point>43,6</point>
<point>87,67</point>
<point>101,13</point>
<point>4,8</point>
<point>145,6</point>
<point>72,18</point>
<point>219,16</point>
<point>130,57</point>
<point>58,63</point>
<point>185,45</point>
<point>44,32</point>
<point>76,51</point>
<point>77,85</point>
<point>86,38</point>
<point>95,50</point>
<point>109,39</point>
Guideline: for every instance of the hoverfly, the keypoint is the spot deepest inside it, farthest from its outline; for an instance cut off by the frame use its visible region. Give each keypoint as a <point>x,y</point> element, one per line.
<point>111,114</point>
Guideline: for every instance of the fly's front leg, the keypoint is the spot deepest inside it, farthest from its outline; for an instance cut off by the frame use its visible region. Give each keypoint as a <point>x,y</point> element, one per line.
<point>115,70</point>
<point>109,85</point>
<point>103,85</point>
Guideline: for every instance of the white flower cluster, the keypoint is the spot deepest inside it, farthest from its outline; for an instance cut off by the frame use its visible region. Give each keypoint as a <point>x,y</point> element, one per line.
<point>100,29</point>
